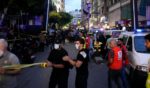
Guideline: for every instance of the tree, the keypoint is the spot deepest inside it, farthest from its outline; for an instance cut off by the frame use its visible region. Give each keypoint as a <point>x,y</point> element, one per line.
<point>54,17</point>
<point>61,18</point>
<point>65,18</point>
<point>35,7</point>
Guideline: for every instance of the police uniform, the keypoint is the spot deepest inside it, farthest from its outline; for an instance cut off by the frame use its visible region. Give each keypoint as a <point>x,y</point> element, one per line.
<point>82,72</point>
<point>59,76</point>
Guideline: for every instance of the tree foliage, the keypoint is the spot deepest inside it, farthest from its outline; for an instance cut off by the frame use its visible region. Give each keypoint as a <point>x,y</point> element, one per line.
<point>65,18</point>
<point>61,18</point>
<point>54,17</point>
<point>35,7</point>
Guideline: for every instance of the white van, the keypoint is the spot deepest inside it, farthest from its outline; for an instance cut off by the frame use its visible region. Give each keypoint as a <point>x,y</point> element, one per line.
<point>137,53</point>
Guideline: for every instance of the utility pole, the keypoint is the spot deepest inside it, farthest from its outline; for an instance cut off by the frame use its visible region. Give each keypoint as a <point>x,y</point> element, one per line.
<point>121,9</point>
<point>47,12</point>
<point>134,14</point>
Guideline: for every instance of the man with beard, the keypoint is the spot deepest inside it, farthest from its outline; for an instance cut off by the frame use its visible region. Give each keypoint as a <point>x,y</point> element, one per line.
<point>8,78</point>
<point>125,62</point>
<point>114,64</point>
<point>147,42</point>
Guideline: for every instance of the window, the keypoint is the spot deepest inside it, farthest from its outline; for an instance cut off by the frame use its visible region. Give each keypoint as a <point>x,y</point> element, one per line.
<point>143,11</point>
<point>129,44</point>
<point>139,44</point>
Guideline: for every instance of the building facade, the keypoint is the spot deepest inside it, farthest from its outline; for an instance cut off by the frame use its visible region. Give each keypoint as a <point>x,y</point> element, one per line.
<point>114,12</point>
<point>59,4</point>
<point>76,17</point>
<point>96,12</point>
<point>120,12</point>
<point>84,20</point>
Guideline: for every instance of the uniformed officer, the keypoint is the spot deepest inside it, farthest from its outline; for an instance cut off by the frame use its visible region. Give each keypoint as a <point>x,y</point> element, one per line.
<point>60,70</point>
<point>81,64</point>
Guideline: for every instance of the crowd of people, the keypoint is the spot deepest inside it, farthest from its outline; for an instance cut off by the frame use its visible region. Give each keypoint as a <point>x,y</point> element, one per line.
<point>89,45</point>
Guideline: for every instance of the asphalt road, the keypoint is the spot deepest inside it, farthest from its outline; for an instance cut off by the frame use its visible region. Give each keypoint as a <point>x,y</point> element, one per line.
<point>36,77</point>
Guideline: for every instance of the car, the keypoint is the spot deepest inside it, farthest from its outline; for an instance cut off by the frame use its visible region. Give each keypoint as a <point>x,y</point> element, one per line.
<point>137,54</point>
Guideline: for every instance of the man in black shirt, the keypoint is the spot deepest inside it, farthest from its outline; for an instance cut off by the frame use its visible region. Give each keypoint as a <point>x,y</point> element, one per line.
<point>81,64</point>
<point>60,70</point>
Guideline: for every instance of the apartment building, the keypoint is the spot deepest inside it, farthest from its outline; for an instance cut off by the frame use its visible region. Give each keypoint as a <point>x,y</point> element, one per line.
<point>59,4</point>
<point>76,17</point>
<point>120,11</point>
<point>98,11</point>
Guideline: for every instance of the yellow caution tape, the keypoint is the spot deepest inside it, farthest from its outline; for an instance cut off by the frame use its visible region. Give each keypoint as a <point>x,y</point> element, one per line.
<point>21,66</point>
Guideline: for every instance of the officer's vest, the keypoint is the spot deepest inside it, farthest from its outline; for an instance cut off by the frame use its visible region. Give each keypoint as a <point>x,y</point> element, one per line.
<point>97,45</point>
<point>84,46</point>
<point>117,60</point>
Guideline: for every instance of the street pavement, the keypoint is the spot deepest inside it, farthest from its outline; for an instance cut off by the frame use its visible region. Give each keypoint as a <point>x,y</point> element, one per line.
<point>37,77</point>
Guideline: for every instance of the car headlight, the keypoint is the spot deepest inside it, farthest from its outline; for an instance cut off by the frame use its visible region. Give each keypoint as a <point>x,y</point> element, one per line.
<point>142,68</point>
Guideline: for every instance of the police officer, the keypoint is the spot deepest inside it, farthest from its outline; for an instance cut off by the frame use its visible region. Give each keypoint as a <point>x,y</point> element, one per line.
<point>60,70</point>
<point>81,64</point>
<point>114,64</point>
